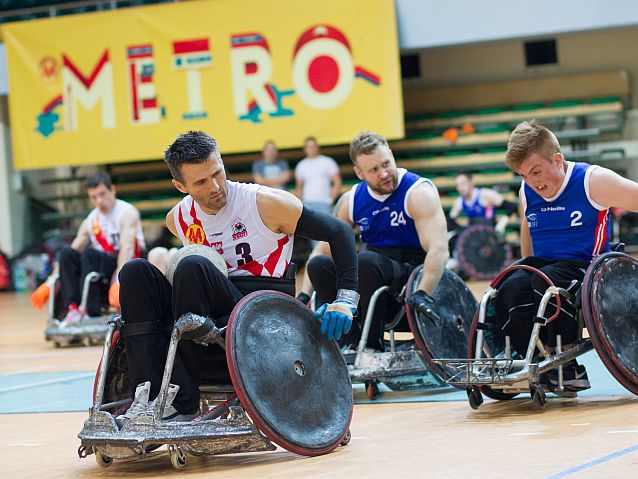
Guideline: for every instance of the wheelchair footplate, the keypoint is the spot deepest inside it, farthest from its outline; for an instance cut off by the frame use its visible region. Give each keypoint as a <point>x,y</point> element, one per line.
<point>475,372</point>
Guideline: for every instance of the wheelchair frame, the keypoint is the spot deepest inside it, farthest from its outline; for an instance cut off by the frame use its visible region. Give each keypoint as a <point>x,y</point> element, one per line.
<point>504,377</point>
<point>89,330</point>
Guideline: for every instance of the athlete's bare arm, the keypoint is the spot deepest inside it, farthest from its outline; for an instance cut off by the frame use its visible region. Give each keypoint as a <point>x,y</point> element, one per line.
<point>130,222</point>
<point>82,239</point>
<point>526,240</point>
<point>278,209</point>
<point>609,189</point>
<point>170,221</point>
<point>424,206</point>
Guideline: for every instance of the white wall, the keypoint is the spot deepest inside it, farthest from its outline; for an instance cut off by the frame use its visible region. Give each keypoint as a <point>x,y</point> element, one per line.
<point>436,23</point>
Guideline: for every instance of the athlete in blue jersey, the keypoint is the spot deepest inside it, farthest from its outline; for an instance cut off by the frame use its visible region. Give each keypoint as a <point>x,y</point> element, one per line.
<point>400,218</point>
<point>564,225</point>
<point>478,204</point>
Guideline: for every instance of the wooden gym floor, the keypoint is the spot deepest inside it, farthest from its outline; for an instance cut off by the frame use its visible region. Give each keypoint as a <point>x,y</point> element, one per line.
<point>45,394</point>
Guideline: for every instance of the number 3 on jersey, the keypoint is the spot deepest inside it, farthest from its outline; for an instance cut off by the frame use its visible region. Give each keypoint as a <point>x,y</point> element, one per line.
<point>243,250</point>
<point>397,218</point>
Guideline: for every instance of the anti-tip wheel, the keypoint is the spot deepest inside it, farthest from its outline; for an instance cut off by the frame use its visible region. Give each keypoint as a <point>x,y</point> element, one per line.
<point>103,460</point>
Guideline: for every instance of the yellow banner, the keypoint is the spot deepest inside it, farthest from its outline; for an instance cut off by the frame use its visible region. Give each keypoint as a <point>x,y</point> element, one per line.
<point>120,86</point>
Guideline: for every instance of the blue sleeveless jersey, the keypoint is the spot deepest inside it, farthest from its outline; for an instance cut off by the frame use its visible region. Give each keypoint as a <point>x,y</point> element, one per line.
<point>474,209</point>
<point>386,224</point>
<point>570,226</point>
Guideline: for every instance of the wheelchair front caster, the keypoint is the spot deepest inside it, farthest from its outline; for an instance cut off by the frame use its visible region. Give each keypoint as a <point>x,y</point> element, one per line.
<point>372,390</point>
<point>346,439</point>
<point>103,460</point>
<point>474,397</point>
<point>178,457</point>
<point>539,398</point>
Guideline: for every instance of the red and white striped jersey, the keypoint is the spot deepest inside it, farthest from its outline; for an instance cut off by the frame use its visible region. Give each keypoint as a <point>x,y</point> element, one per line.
<point>105,229</point>
<point>237,232</point>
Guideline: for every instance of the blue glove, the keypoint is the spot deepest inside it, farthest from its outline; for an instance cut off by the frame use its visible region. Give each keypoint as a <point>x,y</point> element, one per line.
<point>336,318</point>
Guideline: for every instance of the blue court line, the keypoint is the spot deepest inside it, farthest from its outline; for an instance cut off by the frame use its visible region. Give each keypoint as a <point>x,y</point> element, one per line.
<point>595,462</point>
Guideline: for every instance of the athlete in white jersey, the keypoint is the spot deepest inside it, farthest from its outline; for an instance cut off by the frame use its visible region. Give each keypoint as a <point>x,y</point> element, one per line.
<point>105,228</point>
<point>237,232</point>
<point>109,236</point>
<point>251,226</point>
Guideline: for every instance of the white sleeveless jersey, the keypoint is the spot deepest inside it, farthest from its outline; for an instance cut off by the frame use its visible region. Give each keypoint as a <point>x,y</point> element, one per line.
<point>237,233</point>
<point>105,229</point>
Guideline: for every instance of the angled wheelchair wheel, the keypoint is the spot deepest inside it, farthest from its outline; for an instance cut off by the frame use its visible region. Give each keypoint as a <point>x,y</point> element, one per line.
<point>481,254</point>
<point>610,302</point>
<point>291,380</point>
<point>495,345</point>
<point>117,385</point>
<point>455,305</point>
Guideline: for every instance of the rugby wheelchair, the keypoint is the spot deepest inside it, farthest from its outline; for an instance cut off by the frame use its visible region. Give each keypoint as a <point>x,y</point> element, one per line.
<point>439,332</point>
<point>606,303</point>
<point>277,360</point>
<point>88,330</point>
<point>481,252</point>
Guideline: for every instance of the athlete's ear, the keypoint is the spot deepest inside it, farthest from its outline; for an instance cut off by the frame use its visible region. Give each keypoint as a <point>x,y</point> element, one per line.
<point>179,186</point>
<point>358,172</point>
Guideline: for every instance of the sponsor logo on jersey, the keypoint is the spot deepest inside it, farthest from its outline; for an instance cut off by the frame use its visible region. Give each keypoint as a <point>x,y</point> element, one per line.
<point>239,229</point>
<point>195,234</point>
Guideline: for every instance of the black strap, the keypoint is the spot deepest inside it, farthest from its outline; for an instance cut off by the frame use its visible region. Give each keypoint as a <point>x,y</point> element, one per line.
<point>137,329</point>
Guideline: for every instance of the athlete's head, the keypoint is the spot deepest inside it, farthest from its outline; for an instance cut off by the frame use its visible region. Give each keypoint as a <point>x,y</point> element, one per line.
<point>101,191</point>
<point>464,184</point>
<point>374,163</point>
<point>534,153</point>
<point>196,164</point>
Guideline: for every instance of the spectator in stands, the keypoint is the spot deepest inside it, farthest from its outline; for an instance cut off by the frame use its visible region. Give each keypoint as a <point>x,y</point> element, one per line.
<point>478,203</point>
<point>109,236</point>
<point>317,178</point>
<point>269,170</point>
<point>564,225</point>
<point>400,218</point>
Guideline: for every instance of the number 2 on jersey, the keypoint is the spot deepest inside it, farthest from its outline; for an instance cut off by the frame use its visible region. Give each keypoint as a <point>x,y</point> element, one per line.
<point>576,216</point>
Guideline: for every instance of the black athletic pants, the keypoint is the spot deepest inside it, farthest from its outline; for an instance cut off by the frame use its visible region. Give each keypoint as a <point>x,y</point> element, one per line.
<point>74,267</point>
<point>375,270</point>
<point>520,294</point>
<point>147,296</point>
